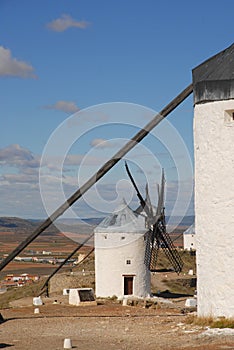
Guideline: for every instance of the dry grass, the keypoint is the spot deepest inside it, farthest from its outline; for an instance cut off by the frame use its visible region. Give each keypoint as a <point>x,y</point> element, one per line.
<point>179,286</point>
<point>182,284</point>
<point>175,286</point>
<point>220,322</point>
<point>31,290</point>
<point>188,260</point>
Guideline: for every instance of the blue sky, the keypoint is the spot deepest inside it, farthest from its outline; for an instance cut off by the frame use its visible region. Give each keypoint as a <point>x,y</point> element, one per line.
<point>59,57</point>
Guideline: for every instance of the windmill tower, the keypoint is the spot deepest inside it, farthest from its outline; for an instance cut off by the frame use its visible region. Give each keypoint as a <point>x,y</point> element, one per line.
<point>127,244</point>
<point>213,83</point>
<point>119,255</point>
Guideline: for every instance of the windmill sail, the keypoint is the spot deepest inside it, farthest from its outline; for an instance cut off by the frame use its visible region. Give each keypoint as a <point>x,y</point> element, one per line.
<point>157,236</point>
<point>143,203</point>
<point>148,201</point>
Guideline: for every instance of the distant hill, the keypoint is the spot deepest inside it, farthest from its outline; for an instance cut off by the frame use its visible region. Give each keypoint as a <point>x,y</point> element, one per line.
<point>18,225</point>
<point>86,225</point>
<point>183,221</point>
<point>15,224</point>
<point>89,221</point>
<point>93,221</point>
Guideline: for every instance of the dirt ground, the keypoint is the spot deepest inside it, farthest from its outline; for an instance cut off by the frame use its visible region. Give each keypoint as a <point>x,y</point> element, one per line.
<point>105,326</point>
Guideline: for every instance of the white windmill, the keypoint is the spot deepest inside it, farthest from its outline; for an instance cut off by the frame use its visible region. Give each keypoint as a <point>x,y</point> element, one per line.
<point>127,244</point>
<point>213,84</point>
<point>119,255</point>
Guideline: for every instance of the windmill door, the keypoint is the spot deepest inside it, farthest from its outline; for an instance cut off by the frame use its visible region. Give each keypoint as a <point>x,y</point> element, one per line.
<point>128,285</point>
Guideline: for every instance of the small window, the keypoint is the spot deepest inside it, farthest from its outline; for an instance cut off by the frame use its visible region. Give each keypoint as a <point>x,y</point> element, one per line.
<point>105,236</point>
<point>229,117</point>
<point>113,220</point>
<point>128,262</point>
<point>122,237</point>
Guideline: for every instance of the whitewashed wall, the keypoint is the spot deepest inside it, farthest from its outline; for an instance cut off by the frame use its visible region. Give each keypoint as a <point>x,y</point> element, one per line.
<point>214,207</point>
<point>111,253</point>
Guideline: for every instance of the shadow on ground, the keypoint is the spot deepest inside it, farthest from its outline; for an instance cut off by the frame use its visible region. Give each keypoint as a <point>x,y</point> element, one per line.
<point>3,345</point>
<point>169,295</point>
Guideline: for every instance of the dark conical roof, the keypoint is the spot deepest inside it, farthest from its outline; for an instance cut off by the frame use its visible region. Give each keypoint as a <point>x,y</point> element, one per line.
<point>213,80</point>
<point>123,219</point>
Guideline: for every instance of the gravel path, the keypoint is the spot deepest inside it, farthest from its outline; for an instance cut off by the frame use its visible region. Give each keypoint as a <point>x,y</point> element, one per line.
<point>104,327</point>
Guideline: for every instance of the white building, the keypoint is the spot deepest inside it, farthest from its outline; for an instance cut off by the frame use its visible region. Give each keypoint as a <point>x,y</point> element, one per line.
<point>213,83</point>
<point>119,255</point>
<point>189,238</point>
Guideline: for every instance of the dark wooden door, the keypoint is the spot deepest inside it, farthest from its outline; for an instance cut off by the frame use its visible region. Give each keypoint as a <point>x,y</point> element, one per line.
<point>128,285</point>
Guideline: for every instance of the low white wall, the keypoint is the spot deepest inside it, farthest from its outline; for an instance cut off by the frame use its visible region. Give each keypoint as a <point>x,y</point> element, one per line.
<point>74,298</point>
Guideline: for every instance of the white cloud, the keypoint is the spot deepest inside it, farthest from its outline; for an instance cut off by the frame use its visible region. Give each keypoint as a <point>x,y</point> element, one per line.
<point>77,159</point>
<point>65,22</point>
<point>19,181</point>
<point>15,155</point>
<point>19,178</point>
<point>56,164</point>
<point>21,199</point>
<point>24,163</point>
<point>103,143</point>
<point>64,106</point>
<point>10,66</point>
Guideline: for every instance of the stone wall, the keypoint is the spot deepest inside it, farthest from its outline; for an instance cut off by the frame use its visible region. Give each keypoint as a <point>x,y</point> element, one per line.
<point>67,280</point>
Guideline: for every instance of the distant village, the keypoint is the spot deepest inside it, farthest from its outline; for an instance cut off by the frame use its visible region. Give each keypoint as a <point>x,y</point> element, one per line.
<point>47,258</point>
<point>19,280</point>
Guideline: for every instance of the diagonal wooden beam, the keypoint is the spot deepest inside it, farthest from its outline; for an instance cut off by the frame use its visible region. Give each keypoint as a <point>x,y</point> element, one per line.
<point>66,260</point>
<point>100,173</point>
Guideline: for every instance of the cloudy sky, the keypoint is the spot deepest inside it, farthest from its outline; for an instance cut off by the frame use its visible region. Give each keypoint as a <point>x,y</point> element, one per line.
<point>64,65</point>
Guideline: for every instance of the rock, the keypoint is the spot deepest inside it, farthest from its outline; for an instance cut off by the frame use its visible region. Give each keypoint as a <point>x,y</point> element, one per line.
<point>191,302</point>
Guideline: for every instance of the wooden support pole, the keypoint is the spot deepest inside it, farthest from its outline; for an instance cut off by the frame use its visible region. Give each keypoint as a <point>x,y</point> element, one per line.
<point>100,173</point>
<point>64,262</point>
